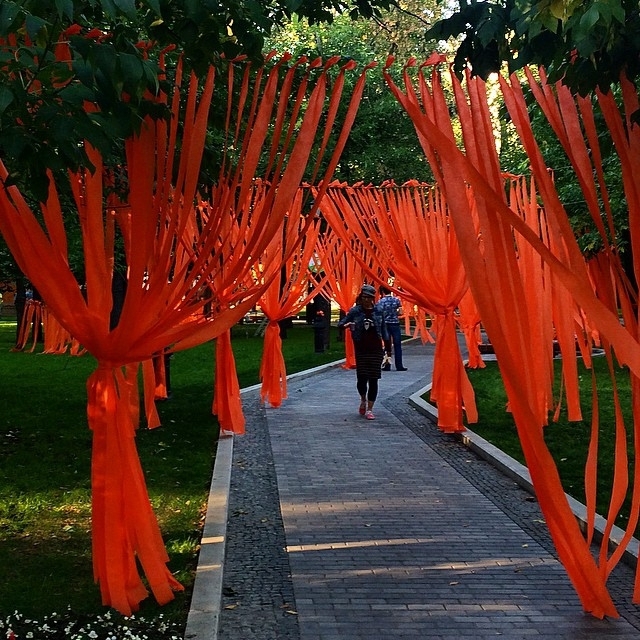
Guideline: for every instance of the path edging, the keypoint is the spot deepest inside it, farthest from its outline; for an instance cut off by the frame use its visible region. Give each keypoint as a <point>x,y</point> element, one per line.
<point>206,600</point>
<point>520,474</point>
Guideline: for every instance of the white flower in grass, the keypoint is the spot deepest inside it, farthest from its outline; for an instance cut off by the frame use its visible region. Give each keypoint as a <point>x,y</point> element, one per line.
<point>93,635</point>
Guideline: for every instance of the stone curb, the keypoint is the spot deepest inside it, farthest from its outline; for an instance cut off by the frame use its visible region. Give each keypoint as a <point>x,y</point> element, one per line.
<point>520,474</point>
<point>206,600</point>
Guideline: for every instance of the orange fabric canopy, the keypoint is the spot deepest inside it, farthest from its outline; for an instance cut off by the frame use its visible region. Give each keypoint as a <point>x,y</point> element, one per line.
<point>124,526</point>
<point>345,276</point>
<point>499,288</point>
<point>286,265</point>
<point>408,224</point>
<point>169,267</point>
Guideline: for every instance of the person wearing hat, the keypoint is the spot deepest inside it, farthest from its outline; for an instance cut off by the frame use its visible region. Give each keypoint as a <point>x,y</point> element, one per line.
<point>365,321</point>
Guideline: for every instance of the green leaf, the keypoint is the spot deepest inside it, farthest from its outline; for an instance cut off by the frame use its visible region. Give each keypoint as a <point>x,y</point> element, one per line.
<point>84,71</point>
<point>76,94</point>
<point>618,13</point>
<point>151,74</point>
<point>34,26</point>
<point>109,7</point>
<point>106,59</point>
<point>61,129</point>
<point>155,6</point>
<point>193,8</point>
<point>8,13</point>
<point>15,141</point>
<point>65,8</point>
<point>590,18</point>
<point>6,98</point>
<point>128,7</point>
<point>61,73</point>
<point>81,45</point>
<point>558,9</point>
<point>131,68</point>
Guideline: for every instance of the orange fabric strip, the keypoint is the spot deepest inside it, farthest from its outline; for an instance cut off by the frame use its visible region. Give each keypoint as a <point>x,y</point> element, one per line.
<point>227,404</point>
<point>495,283</point>
<point>273,372</point>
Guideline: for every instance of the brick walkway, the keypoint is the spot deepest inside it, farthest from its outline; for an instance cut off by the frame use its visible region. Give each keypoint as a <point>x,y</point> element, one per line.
<point>340,528</point>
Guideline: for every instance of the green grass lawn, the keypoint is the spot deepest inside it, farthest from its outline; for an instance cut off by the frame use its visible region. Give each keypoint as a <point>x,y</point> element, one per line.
<point>567,441</point>
<point>45,450</point>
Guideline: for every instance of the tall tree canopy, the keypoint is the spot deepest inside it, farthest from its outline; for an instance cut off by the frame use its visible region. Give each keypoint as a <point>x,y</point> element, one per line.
<point>586,43</point>
<point>382,144</point>
<point>107,60</point>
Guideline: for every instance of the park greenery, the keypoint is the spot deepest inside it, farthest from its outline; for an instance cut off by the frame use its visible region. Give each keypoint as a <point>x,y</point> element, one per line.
<point>42,130</point>
<point>113,60</point>
<point>584,43</point>
<point>43,120</point>
<point>567,441</point>
<point>44,480</point>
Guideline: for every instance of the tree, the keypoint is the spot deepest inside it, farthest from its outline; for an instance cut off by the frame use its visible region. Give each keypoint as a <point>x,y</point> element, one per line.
<point>383,143</point>
<point>58,55</point>
<point>586,43</point>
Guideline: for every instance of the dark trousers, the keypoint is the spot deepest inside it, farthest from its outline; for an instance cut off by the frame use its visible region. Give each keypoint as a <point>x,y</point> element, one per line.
<point>394,336</point>
<point>367,388</point>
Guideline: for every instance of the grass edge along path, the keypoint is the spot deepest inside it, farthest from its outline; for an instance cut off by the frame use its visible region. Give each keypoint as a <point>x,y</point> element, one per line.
<point>567,441</point>
<point>45,497</point>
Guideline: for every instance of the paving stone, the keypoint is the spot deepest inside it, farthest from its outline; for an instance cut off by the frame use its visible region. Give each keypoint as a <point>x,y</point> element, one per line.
<point>341,529</point>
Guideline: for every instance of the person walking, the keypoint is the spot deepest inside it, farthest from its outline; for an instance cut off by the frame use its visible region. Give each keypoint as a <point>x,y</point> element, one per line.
<point>391,308</point>
<point>365,321</point>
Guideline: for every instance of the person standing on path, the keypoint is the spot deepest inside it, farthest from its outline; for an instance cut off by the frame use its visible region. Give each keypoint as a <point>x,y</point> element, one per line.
<point>365,321</point>
<point>391,308</point>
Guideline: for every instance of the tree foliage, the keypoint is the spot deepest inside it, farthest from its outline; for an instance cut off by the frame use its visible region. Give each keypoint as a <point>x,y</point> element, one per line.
<point>383,144</point>
<point>584,43</point>
<point>111,60</point>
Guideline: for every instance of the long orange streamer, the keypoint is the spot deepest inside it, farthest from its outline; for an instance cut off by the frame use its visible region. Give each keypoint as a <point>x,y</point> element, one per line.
<point>290,290</point>
<point>345,276</point>
<point>497,284</point>
<point>409,225</point>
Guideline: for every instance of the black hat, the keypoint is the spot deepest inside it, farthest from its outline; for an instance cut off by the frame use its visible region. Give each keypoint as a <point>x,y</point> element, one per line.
<point>368,290</point>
